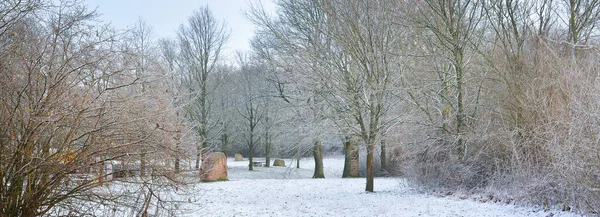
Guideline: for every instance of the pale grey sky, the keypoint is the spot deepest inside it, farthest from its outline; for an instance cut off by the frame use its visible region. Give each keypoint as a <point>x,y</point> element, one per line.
<point>165,16</point>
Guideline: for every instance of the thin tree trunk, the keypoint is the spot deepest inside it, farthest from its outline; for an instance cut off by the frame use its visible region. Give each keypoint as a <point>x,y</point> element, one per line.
<point>267,149</point>
<point>370,176</point>
<point>177,167</point>
<point>251,157</point>
<point>101,176</point>
<point>143,164</point>
<point>460,116</point>
<point>318,154</point>
<point>383,156</point>
<point>177,159</point>
<point>198,150</point>
<point>251,150</point>
<point>204,148</point>
<point>225,144</point>
<point>298,157</point>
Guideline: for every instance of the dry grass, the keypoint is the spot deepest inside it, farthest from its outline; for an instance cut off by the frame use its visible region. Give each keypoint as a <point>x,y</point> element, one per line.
<point>537,141</point>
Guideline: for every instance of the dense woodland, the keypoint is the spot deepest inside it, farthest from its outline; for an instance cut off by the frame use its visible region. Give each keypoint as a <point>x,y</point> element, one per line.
<point>484,96</point>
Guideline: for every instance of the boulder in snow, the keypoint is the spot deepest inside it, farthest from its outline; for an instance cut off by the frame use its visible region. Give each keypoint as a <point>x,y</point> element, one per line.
<point>278,163</point>
<point>214,167</point>
<point>239,157</point>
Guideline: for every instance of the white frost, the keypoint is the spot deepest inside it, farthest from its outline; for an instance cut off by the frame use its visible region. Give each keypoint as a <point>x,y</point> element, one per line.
<point>292,192</point>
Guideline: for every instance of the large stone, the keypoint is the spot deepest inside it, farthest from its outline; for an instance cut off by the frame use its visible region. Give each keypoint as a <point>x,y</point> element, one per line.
<point>278,163</point>
<point>239,157</point>
<point>214,167</point>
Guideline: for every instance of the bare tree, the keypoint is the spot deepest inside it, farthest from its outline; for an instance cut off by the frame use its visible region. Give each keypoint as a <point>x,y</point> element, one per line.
<point>287,42</point>
<point>168,50</point>
<point>201,41</point>
<point>454,27</point>
<point>142,39</point>
<point>351,168</point>
<point>11,14</point>
<point>344,54</point>
<point>582,17</point>
<point>72,107</point>
<point>367,34</point>
<point>251,107</point>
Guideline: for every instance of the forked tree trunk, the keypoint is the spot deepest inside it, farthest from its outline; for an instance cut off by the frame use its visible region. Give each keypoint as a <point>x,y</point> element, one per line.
<point>370,175</point>
<point>351,160</point>
<point>318,153</point>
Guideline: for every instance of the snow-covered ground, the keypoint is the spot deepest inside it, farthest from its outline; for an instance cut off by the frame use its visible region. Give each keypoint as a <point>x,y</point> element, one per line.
<point>287,191</point>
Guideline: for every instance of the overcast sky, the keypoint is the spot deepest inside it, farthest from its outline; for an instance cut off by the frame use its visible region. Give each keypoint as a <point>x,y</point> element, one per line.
<point>165,16</point>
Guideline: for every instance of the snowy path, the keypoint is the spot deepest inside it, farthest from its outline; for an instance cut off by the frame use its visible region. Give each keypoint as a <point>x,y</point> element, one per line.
<point>291,192</point>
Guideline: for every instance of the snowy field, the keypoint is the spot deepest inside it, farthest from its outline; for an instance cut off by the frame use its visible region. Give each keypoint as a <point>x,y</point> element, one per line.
<point>287,191</point>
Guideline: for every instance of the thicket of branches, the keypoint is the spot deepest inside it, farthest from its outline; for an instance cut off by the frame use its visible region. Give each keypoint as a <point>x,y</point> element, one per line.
<point>78,96</point>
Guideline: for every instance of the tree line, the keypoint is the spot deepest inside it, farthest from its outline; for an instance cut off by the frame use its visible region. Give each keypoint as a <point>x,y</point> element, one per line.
<point>491,96</point>
<point>470,94</point>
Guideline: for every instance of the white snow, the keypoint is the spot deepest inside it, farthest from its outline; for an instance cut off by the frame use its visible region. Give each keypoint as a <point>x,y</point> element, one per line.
<point>291,192</point>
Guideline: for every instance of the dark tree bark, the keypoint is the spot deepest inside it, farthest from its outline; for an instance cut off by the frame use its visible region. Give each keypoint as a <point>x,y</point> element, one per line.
<point>370,175</point>
<point>298,158</point>
<point>267,144</point>
<point>177,167</point>
<point>225,144</point>
<point>383,158</point>
<point>251,160</point>
<point>351,159</point>
<point>318,154</point>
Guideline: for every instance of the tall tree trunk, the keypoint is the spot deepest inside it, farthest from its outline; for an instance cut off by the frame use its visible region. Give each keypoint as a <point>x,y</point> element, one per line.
<point>225,144</point>
<point>460,116</point>
<point>177,159</point>
<point>347,159</point>
<point>298,157</point>
<point>204,148</point>
<point>383,155</point>
<point>370,175</point>
<point>351,159</point>
<point>251,157</point>
<point>204,116</point>
<point>198,150</point>
<point>267,148</point>
<point>318,154</point>
<point>251,150</point>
